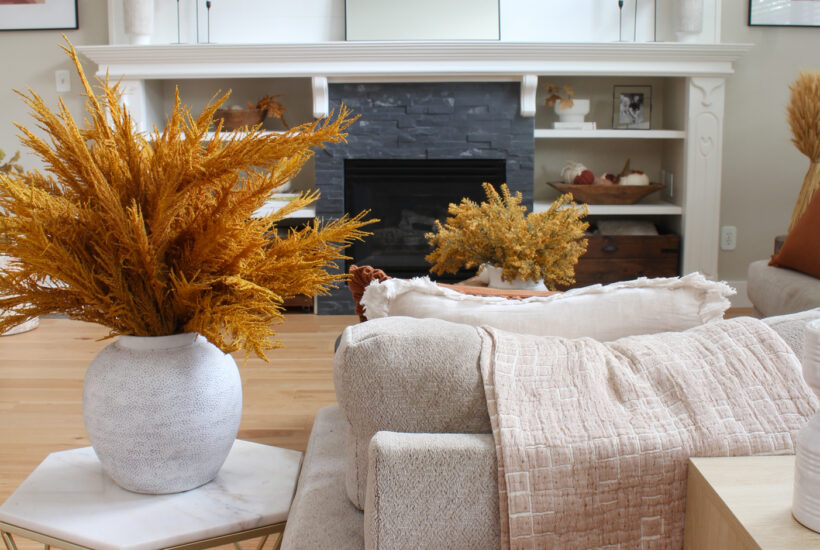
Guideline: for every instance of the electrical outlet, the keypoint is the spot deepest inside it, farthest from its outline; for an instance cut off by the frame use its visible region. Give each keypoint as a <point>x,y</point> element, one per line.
<point>63,78</point>
<point>728,237</point>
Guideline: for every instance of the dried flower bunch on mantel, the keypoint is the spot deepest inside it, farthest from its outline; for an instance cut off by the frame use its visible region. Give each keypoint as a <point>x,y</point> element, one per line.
<point>554,96</point>
<point>236,118</point>
<point>271,107</point>
<point>153,235</point>
<point>499,232</point>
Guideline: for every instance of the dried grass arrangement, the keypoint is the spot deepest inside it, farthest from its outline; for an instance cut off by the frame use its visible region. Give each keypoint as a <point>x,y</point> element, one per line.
<point>532,246</point>
<point>152,235</point>
<point>804,119</point>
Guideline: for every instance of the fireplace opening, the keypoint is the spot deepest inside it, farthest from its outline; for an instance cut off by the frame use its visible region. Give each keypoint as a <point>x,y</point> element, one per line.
<point>408,195</point>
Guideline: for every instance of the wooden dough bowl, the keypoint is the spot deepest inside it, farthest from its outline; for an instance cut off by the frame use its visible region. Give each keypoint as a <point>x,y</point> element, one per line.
<point>608,194</point>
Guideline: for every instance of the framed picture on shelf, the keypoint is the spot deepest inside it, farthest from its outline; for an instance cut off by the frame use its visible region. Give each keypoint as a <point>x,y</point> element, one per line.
<point>631,107</point>
<point>29,15</point>
<point>784,13</point>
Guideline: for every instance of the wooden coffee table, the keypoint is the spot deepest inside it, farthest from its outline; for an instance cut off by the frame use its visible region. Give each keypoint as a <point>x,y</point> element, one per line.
<point>739,502</point>
<point>69,502</point>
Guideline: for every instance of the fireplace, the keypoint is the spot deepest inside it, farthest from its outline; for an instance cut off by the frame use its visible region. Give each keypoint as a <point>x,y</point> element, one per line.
<point>413,123</point>
<point>408,196</point>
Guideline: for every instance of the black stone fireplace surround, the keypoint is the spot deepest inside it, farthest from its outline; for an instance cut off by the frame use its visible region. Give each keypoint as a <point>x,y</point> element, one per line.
<point>424,121</point>
<point>407,196</point>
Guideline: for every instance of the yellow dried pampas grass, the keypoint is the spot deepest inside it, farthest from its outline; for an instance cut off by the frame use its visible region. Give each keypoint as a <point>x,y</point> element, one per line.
<point>804,119</point>
<point>531,246</point>
<point>155,234</point>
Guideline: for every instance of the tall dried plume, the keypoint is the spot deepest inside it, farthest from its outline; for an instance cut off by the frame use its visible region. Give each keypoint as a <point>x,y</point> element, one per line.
<point>804,119</point>
<point>155,234</point>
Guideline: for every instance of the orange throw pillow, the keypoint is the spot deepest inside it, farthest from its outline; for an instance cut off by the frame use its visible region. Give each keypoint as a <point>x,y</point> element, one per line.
<point>801,251</point>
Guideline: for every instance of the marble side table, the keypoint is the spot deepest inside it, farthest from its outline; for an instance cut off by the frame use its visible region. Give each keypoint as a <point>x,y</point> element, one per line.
<point>69,502</point>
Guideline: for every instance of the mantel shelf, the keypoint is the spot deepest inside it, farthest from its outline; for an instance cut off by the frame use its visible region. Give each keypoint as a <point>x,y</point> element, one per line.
<point>545,133</point>
<point>434,60</point>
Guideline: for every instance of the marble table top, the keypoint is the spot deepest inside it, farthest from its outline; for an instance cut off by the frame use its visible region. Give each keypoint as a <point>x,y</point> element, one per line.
<point>68,496</point>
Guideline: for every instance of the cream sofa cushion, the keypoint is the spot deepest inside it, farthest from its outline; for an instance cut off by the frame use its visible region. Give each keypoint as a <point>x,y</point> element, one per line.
<point>642,306</point>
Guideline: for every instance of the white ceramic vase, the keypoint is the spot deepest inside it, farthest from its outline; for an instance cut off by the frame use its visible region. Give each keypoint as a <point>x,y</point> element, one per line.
<point>491,276</point>
<point>138,18</point>
<point>162,412</point>
<point>688,19</point>
<point>806,498</point>
<point>576,113</point>
<point>31,324</point>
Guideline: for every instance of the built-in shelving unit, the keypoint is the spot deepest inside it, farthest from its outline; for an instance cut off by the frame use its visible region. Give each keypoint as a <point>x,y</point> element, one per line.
<point>688,83</point>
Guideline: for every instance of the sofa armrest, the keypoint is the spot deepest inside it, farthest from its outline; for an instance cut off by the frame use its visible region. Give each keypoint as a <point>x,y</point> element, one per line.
<point>432,491</point>
<point>406,375</point>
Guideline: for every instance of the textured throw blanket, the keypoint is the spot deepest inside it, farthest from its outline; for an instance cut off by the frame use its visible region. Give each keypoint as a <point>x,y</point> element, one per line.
<point>593,438</point>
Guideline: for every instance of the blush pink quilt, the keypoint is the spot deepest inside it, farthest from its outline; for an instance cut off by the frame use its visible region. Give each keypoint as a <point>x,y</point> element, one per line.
<point>593,438</point>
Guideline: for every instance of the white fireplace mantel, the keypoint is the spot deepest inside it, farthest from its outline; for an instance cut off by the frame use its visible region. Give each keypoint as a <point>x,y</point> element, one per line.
<point>692,143</point>
<point>413,62</point>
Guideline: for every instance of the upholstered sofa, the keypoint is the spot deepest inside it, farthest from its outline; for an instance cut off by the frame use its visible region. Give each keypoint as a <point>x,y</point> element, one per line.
<point>407,459</point>
<point>779,290</point>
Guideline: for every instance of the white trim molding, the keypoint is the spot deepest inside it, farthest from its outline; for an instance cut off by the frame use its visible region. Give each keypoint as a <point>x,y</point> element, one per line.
<point>436,61</point>
<point>321,98</point>
<point>529,86</point>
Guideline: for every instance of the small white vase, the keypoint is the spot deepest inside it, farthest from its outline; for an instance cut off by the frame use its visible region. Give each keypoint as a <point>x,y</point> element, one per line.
<point>688,19</point>
<point>162,412</point>
<point>138,18</point>
<point>806,497</point>
<point>31,324</point>
<point>491,276</point>
<point>576,113</point>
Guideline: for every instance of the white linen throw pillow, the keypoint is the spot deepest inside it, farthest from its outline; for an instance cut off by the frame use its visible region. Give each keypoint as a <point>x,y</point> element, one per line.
<point>642,306</point>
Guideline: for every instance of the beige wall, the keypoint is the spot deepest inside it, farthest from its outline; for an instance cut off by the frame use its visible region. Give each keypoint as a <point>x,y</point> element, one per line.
<point>762,170</point>
<point>29,61</point>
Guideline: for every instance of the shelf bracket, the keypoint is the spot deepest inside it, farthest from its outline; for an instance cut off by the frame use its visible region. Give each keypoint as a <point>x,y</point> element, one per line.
<point>321,100</point>
<point>529,84</point>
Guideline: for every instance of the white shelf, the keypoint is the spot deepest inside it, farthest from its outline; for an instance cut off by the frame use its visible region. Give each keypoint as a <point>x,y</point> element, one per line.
<point>545,133</point>
<point>272,205</point>
<point>640,209</point>
<point>233,135</point>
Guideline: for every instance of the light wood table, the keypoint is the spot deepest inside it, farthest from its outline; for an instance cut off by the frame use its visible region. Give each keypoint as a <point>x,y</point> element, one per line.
<point>743,503</point>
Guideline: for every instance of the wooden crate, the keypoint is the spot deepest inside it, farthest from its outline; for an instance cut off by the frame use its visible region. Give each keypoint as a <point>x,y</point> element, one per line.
<point>613,258</point>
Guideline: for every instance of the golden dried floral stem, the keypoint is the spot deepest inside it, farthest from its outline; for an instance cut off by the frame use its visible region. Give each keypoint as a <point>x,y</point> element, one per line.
<point>811,183</point>
<point>155,235</point>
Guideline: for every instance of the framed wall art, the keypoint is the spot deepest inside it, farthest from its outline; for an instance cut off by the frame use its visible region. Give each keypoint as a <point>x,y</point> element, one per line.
<point>631,107</point>
<point>784,13</point>
<point>28,15</point>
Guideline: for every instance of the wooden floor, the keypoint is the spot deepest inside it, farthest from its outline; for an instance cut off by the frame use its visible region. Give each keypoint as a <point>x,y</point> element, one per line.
<point>41,378</point>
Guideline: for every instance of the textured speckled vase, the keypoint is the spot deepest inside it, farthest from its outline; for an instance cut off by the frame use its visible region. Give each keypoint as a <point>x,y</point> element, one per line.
<point>806,496</point>
<point>162,412</point>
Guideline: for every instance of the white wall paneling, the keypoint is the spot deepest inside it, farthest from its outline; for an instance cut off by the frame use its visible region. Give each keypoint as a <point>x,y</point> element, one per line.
<point>704,150</point>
